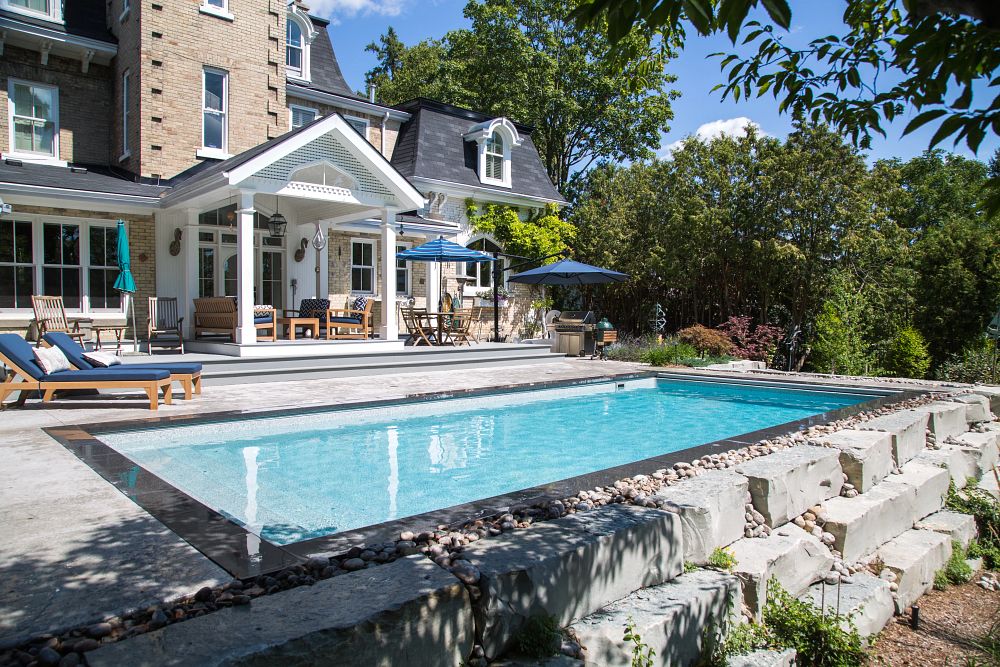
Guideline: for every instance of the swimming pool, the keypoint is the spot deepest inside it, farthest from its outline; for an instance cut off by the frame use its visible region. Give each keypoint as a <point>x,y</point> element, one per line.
<point>298,477</point>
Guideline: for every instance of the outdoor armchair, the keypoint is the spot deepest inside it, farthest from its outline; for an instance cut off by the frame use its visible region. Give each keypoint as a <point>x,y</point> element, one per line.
<point>51,316</point>
<point>357,321</point>
<point>164,318</point>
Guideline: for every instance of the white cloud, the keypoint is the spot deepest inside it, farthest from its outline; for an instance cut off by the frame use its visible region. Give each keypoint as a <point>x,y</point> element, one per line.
<point>350,8</point>
<point>732,127</point>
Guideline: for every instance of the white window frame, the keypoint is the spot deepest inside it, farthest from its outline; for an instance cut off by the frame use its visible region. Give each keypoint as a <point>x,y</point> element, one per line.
<point>39,158</point>
<point>405,267</point>
<point>373,268</point>
<point>219,9</point>
<point>54,13</point>
<point>126,153</point>
<point>484,155</point>
<point>473,286</point>
<point>14,264</point>
<point>292,108</point>
<point>205,151</point>
<point>301,19</point>
<point>361,121</point>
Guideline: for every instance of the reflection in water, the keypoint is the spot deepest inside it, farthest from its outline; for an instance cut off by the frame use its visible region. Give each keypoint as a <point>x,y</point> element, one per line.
<point>393,439</point>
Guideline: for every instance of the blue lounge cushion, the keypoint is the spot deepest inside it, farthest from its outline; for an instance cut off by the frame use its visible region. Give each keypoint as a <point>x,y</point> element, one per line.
<point>21,354</point>
<point>263,320</point>
<point>108,375</point>
<point>345,320</point>
<point>173,367</point>
<point>74,352</point>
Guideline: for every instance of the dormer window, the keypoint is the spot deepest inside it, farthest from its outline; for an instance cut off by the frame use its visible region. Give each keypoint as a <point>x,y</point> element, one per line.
<point>494,139</point>
<point>293,49</point>
<point>46,9</point>
<point>299,34</point>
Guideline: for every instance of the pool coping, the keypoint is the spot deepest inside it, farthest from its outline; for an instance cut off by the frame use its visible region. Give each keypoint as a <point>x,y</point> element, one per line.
<point>244,554</point>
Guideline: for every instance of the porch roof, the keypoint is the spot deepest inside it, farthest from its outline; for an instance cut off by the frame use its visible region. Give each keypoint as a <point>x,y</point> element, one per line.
<point>40,179</point>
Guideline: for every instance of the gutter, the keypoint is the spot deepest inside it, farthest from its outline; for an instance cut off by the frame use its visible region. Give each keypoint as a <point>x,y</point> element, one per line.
<point>302,92</point>
<point>480,189</point>
<point>58,36</point>
<point>79,195</point>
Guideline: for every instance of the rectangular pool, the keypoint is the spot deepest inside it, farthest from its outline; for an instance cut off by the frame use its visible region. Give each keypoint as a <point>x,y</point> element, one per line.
<point>293,478</point>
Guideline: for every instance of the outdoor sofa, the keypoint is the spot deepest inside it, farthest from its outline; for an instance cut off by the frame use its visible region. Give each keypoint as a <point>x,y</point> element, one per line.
<point>18,355</point>
<point>218,315</point>
<point>187,373</point>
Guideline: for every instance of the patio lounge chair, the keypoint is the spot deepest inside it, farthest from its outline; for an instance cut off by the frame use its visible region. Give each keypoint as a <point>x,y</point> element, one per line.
<point>358,322</point>
<point>51,316</point>
<point>163,319</point>
<point>17,354</point>
<point>187,373</point>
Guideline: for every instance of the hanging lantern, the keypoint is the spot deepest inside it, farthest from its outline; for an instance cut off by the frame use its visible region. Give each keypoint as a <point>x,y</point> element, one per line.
<point>319,241</point>
<point>276,225</point>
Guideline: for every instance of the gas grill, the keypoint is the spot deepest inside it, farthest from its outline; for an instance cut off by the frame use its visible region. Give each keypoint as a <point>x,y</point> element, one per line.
<point>574,333</point>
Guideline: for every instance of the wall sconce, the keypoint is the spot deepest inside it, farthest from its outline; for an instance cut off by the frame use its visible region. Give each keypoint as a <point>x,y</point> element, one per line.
<point>175,245</point>
<point>300,252</point>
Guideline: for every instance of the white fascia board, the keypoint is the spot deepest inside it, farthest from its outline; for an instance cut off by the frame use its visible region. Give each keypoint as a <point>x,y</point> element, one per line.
<point>332,99</point>
<point>183,194</point>
<point>57,36</point>
<point>481,193</point>
<point>35,195</point>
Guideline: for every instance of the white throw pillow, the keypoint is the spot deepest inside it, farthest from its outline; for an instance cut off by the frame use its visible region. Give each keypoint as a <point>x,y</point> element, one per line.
<point>51,359</point>
<point>102,359</point>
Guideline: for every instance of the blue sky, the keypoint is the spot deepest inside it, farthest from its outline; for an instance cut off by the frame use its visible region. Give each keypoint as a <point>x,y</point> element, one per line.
<point>698,110</point>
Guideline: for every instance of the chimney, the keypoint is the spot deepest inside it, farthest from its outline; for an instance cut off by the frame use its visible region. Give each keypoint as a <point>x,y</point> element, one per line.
<point>371,93</point>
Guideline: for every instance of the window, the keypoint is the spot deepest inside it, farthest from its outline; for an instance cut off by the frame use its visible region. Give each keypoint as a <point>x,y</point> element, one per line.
<point>218,4</point>
<point>16,264</point>
<point>302,115</point>
<point>215,108</point>
<point>272,288</point>
<point>299,33</point>
<point>125,79</point>
<point>61,262</point>
<point>363,266</point>
<point>206,268</point>
<point>34,119</point>
<point>494,157</point>
<point>402,271</point>
<point>293,48</point>
<point>359,124</point>
<point>103,269</point>
<point>49,9</point>
<point>481,273</point>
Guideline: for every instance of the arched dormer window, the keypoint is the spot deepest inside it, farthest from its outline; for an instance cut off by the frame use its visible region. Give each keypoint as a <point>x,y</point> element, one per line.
<point>299,34</point>
<point>495,157</point>
<point>494,139</point>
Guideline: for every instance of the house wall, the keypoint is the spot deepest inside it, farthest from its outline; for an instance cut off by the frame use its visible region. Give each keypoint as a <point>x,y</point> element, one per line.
<point>128,29</point>
<point>374,123</point>
<point>84,102</point>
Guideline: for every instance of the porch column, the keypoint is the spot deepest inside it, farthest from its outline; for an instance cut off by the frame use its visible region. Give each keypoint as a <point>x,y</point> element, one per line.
<point>433,283</point>
<point>189,244</point>
<point>245,332</point>
<point>390,327</point>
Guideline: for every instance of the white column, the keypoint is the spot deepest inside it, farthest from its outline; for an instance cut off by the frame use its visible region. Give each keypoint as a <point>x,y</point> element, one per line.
<point>433,283</point>
<point>390,327</point>
<point>245,332</point>
<point>189,248</point>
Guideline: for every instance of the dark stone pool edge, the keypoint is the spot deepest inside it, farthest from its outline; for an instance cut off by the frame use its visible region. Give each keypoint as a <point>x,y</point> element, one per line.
<point>244,554</point>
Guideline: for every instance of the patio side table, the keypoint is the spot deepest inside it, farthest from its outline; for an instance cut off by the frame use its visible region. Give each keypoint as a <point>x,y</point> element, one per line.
<point>117,330</point>
<point>290,324</point>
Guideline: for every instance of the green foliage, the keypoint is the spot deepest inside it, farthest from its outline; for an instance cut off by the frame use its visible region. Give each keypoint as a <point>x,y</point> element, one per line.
<point>689,567</point>
<point>907,355</point>
<point>986,509</point>
<point>539,637</point>
<point>989,643</point>
<point>742,639</point>
<point>722,559</point>
<point>705,340</point>
<point>957,570</point>
<point>941,580</point>
<point>537,236</point>
<point>838,344</point>
<point>977,364</point>
<point>642,653</point>
<point>818,639</point>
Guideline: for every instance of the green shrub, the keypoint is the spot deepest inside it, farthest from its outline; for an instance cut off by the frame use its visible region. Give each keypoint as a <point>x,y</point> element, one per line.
<point>972,366</point>
<point>986,509</point>
<point>539,637</point>
<point>906,355</point>
<point>818,639</point>
<point>940,580</point>
<point>957,570</point>
<point>706,341</point>
<point>722,559</point>
<point>698,362</point>
<point>689,566</point>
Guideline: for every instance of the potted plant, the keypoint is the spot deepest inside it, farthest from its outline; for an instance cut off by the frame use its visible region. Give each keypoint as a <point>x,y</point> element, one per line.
<point>486,297</point>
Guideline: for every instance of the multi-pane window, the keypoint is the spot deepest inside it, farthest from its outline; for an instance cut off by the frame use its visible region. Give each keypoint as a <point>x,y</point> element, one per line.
<point>125,82</point>
<point>34,118</point>
<point>50,9</point>
<point>103,269</point>
<point>61,262</point>
<point>293,47</point>
<point>494,157</point>
<point>359,124</point>
<point>206,271</point>
<point>481,273</point>
<point>302,116</point>
<point>271,285</point>
<point>16,269</point>
<point>402,271</point>
<point>215,109</point>
<point>363,266</point>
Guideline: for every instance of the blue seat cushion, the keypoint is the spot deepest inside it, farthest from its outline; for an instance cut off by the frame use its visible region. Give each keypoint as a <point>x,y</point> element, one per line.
<point>263,320</point>
<point>72,349</point>
<point>116,373</point>
<point>172,367</point>
<point>20,354</point>
<point>345,320</point>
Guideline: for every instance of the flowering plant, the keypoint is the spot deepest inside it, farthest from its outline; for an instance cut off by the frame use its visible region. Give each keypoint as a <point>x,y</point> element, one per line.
<point>502,294</point>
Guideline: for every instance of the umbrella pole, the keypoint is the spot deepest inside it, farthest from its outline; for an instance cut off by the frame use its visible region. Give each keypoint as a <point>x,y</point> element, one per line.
<point>496,298</point>
<point>440,303</point>
<point>135,332</point>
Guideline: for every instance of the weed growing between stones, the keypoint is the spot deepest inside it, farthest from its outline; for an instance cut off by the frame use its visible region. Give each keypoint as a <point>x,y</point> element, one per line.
<point>539,637</point>
<point>956,571</point>
<point>689,567</point>
<point>642,653</point>
<point>986,509</point>
<point>722,559</point>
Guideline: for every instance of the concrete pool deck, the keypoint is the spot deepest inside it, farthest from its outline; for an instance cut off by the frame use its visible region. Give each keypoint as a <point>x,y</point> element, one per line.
<point>75,549</point>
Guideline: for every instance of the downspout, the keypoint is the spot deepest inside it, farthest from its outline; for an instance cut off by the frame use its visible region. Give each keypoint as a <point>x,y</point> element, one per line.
<point>385,117</point>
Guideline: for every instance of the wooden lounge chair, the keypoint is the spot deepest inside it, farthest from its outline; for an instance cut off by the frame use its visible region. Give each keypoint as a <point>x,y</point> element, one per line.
<point>51,316</point>
<point>187,373</point>
<point>164,319</point>
<point>358,323</point>
<point>16,353</point>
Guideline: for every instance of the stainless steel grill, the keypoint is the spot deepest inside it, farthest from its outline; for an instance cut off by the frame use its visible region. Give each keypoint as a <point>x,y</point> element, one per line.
<point>574,332</point>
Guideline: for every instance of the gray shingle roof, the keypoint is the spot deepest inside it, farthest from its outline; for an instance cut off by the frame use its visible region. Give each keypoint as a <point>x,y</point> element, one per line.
<point>94,179</point>
<point>82,18</point>
<point>324,70</point>
<point>431,145</point>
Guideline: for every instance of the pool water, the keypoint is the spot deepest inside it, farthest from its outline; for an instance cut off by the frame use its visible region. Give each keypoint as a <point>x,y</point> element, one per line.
<point>298,477</point>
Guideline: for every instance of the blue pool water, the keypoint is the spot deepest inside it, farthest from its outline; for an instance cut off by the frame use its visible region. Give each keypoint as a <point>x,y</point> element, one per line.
<point>293,478</point>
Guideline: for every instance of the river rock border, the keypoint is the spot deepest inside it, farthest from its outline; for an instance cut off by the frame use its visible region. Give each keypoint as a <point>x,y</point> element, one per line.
<point>444,546</point>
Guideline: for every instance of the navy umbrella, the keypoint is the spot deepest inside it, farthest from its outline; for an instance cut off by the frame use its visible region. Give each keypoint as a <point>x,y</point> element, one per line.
<point>569,272</point>
<point>442,250</point>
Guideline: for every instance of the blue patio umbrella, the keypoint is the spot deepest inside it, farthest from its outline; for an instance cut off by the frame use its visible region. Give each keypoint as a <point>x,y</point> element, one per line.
<point>442,250</point>
<point>569,272</point>
<point>125,283</point>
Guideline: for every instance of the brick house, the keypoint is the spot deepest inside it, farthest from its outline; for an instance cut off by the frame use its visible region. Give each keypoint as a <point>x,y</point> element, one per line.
<point>196,121</point>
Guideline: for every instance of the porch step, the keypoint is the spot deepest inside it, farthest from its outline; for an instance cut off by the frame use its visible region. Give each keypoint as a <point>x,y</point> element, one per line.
<point>712,508</point>
<point>908,430</point>
<point>958,527</point>
<point>674,619</point>
<point>785,484</point>
<point>865,456</point>
<point>571,567</point>
<point>915,556</point>
<point>863,599</point>
<point>789,554</point>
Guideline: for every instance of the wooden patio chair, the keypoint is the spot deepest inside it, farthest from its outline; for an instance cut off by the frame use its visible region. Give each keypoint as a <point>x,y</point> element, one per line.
<point>458,328</point>
<point>164,319</point>
<point>358,323</point>
<point>51,316</point>
<point>416,320</point>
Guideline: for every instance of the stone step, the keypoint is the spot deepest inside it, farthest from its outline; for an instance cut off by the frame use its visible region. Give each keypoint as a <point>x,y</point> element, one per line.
<point>764,658</point>
<point>945,418</point>
<point>977,407</point>
<point>979,449</point>
<point>951,460</point>
<point>712,511</point>
<point>791,555</point>
<point>674,619</point>
<point>915,556</point>
<point>407,612</point>
<point>992,394</point>
<point>958,527</point>
<point>908,430</point>
<point>860,525</point>
<point>864,599</point>
<point>865,456</point>
<point>989,484</point>
<point>785,484</point>
<point>571,567</point>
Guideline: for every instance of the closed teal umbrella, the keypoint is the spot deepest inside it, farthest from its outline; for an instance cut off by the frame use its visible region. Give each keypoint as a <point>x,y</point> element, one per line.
<point>125,283</point>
